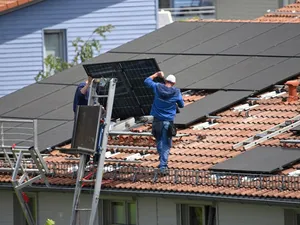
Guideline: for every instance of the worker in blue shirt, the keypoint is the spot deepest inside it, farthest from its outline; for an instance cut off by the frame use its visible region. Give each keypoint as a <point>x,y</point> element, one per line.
<point>81,96</point>
<point>166,99</point>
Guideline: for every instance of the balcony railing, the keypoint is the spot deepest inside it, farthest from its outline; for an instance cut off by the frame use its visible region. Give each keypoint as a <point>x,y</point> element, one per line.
<point>185,176</point>
<point>183,13</point>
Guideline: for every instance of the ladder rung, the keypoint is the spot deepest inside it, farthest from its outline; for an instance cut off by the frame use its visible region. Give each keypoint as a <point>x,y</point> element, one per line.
<point>83,209</point>
<point>100,96</point>
<point>87,181</point>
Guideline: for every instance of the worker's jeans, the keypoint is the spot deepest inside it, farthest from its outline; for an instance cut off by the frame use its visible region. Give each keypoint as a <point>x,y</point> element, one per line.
<point>163,142</point>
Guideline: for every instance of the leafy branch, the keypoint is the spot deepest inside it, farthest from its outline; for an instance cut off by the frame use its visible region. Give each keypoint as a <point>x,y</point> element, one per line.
<point>84,50</point>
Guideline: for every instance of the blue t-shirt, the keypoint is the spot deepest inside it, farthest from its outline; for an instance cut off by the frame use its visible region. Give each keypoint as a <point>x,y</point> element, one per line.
<point>79,98</point>
<point>165,100</point>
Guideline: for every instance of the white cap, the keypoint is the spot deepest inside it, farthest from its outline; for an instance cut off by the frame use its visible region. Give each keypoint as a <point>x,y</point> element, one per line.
<point>171,78</point>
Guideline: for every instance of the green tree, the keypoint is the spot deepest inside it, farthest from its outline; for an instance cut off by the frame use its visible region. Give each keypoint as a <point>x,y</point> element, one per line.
<point>84,50</point>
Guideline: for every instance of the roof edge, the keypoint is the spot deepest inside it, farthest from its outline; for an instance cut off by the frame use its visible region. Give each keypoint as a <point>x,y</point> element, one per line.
<point>170,194</point>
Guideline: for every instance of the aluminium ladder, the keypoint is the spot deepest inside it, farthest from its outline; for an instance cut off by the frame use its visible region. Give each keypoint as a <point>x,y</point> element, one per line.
<point>102,144</point>
<point>15,161</point>
<point>267,134</point>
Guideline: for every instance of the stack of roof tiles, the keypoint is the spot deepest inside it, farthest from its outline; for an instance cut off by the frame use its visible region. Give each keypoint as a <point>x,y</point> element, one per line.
<point>287,14</point>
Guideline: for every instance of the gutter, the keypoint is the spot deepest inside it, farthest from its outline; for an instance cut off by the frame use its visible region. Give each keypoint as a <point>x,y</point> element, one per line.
<point>168,194</point>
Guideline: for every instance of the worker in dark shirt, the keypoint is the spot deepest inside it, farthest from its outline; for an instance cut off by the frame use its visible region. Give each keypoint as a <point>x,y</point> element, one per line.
<point>81,96</point>
<point>166,99</point>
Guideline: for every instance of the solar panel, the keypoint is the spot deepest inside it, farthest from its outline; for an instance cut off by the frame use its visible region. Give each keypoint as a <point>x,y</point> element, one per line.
<point>26,95</point>
<point>45,104</point>
<point>62,113</point>
<point>178,63</point>
<point>132,98</point>
<point>237,72</point>
<point>276,74</point>
<point>206,68</point>
<point>75,74</point>
<point>195,37</point>
<point>260,160</point>
<point>157,37</point>
<point>261,43</point>
<point>209,105</point>
<point>229,39</point>
<point>56,135</point>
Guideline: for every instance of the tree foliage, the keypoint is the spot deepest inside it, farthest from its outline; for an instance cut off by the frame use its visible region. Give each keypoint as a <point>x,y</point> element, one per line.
<point>84,50</point>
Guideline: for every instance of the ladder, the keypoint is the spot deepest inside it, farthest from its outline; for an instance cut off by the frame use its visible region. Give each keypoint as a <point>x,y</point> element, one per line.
<point>267,134</point>
<point>15,134</point>
<point>102,144</point>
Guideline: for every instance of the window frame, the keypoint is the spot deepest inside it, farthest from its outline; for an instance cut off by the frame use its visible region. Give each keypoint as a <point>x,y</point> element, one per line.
<point>183,213</point>
<point>62,40</point>
<point>107,211</point>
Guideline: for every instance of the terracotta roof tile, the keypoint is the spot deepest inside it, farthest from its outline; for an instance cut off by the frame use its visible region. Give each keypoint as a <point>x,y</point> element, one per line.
<point>9,5</point>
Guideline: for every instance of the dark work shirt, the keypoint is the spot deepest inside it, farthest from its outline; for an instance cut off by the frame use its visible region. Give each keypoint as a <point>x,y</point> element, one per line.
<point>79,98</point>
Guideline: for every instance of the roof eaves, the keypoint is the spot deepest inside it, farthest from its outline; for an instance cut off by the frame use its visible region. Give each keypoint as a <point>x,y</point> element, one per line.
<point>171,194</point>
<point>18,4</point>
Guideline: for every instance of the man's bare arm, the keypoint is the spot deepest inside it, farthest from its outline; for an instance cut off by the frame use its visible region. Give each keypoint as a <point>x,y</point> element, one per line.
<point>86,86</point>
<point>157,74</point>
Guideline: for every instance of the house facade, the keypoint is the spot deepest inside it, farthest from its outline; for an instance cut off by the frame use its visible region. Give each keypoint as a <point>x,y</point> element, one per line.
<point>147,209</point>
<point>30,33</point>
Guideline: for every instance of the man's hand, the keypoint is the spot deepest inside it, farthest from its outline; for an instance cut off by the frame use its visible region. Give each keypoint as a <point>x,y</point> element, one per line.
<point>89,80</point>
<point>157,74</point>
<point>160,74</point>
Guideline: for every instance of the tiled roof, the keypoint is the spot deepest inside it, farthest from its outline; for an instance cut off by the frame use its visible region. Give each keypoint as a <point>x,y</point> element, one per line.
<point>287,14</point>
<point>10,5</point>
<point>192,156</point>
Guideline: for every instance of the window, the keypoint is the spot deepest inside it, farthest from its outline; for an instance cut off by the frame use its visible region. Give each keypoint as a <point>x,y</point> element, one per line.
<point>19,218</point>
<point>165,4</point>
<point>286,2</point>
<point>197,215</point>
<point>55,44</point>
<point>119,213</point>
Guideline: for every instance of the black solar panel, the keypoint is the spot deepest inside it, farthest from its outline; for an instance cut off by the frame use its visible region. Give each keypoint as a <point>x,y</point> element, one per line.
<point>209,105</point>
<point>195,37</point>
<point>45,105</point>
<point>260,160</point>
<point>76,74</point>
<point>278,73</point>
<point>157,37</point>
<point>259,44</point>
<point>132,98</point>
<point>229,39</point>
<point>236,72</point>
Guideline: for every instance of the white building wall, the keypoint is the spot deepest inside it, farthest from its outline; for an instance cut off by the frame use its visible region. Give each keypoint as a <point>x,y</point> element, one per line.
<point>57,206</point>
<point>6,208</point>
<point>246,214</point>
<point>156,211</point>
<point>244,9</point>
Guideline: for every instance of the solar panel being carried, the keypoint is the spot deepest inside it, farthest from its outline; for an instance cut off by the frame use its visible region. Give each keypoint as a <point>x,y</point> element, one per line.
<point>260,160</point>
<point>132,97</point>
